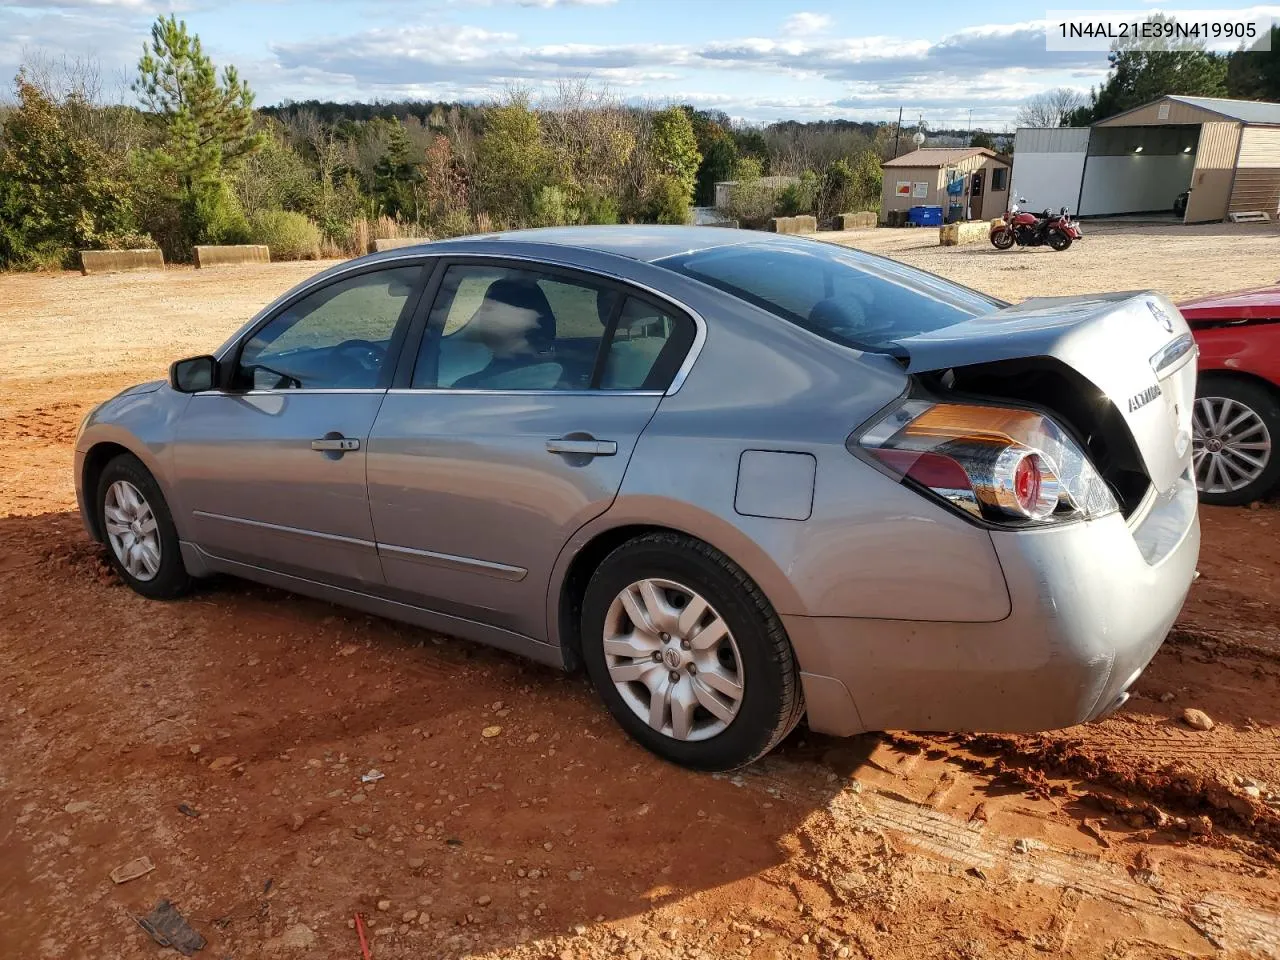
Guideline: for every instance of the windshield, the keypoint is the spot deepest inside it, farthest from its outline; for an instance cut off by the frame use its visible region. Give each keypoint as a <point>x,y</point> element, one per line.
<point>846,296</point>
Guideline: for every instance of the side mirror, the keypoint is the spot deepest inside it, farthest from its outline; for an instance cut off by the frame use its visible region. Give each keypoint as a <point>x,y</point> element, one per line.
<point>194,374</point>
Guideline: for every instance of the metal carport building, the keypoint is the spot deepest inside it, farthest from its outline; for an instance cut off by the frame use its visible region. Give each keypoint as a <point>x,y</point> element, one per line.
<point>1226,153</point>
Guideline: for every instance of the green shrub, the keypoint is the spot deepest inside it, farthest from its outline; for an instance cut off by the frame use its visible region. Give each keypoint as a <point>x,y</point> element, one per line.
<point>291,236</point>
<point>124,240</point>
<point>550,208</point>
<point>671,202</point>
<point>799,198</point>
<point>600,209</point>
<point>214,215</point>
<point>454,223</point>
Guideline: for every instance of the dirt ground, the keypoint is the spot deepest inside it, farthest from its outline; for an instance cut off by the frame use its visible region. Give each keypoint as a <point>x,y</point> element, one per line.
<point>224,736</point>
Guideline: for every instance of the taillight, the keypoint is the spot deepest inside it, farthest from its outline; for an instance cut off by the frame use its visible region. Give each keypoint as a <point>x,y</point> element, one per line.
<point>998,464</point>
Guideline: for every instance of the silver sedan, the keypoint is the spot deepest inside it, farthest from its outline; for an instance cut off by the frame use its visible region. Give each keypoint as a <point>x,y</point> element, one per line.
<point>740,478</point>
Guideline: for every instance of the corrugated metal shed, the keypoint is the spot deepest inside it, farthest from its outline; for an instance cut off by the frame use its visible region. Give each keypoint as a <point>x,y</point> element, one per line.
<point>1247,111</point>
<point>1214,171</point>
<point>1050,140</point>
<point>1257,184</point>
<point>1176,109</point>
<point>1166,110</point>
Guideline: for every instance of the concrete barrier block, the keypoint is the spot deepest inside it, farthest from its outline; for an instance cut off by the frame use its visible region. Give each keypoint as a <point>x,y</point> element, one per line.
<point>866,220</point>
<point>232,255</point>
<point>114,261</point>
<point>395,243</point>
<point>955,234</point>
<point>793,225</point>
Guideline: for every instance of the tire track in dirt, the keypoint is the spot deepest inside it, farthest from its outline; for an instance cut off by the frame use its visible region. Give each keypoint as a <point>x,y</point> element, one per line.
<point>973,846</point>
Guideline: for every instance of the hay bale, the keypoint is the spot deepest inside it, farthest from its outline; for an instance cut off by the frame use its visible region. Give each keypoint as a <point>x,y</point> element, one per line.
<point>955,234</point>
<point>395,243</point>
<point>115,261</point>
<point>232,255</point>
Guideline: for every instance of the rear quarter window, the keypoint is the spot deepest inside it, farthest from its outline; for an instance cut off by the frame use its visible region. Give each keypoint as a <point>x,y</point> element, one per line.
<point>845,296</point>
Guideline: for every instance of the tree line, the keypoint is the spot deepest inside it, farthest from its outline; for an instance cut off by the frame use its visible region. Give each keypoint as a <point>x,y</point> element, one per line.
<point>196,163</point>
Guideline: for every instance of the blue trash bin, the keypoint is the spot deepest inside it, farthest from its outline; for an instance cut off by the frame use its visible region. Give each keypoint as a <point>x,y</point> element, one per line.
<point>925,216</point>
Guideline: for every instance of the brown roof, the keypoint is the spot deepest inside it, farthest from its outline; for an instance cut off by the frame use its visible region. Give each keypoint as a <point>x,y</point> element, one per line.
<point>938,156</point>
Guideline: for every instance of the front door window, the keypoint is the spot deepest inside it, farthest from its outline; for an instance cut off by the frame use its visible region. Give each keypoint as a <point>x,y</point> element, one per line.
<point>336,338</point>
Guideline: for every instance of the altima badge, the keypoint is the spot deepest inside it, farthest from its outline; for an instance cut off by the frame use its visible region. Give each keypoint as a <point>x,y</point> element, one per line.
<point>1140,400</point>
<point>1161,315</point>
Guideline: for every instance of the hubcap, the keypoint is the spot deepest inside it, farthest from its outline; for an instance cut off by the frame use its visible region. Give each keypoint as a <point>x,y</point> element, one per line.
<point>1231,446</point>
<point>131,530</point>
<point>673,660</point>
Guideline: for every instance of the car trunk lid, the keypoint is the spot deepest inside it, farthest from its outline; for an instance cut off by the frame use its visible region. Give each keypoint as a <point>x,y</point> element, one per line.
<point>1134,347</point>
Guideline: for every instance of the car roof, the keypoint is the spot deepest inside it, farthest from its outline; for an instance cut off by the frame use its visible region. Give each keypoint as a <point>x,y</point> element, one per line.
<point>1245,304</point>
<point>644,242</point>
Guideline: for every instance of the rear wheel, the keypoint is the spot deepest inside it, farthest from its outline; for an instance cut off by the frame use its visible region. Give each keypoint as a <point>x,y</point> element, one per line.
<point>1002,239</point>
<point>1235,429</point>
<point>1059,240</point>
<point>688,654</point>
<point>138,530</point>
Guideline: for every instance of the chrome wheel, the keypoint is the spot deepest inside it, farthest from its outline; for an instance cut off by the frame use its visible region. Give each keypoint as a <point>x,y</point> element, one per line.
<point>1231,445</point>
<point>673,659</point>
<point>131,530</point>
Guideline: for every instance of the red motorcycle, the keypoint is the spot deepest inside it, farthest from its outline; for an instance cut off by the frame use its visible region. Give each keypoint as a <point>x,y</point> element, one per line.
<point>1057,230</point>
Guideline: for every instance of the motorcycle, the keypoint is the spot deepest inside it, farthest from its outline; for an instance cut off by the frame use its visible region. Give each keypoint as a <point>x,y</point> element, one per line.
<point>1057,230</point>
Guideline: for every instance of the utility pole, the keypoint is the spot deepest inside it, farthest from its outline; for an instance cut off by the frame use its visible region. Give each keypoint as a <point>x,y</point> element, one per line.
<point>897,133</point>
<point>971,123</point>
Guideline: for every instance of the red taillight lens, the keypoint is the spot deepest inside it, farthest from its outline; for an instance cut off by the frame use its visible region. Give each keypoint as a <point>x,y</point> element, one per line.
<point>997,463</point>
<point>1026,481</point>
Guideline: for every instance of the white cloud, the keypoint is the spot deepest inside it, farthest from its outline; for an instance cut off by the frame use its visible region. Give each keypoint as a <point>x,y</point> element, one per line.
<point>544,4</point>
<point>127,6</point>
<point>805,24</point>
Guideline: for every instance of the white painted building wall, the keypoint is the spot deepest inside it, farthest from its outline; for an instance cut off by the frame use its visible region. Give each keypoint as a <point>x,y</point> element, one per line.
<point>1047,166</point>
<point>1047,180</point>
<point>1134,183</point>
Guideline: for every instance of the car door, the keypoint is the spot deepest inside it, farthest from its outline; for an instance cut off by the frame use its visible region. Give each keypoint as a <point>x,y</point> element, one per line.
<point>530,389</point>
<point>271,465</point>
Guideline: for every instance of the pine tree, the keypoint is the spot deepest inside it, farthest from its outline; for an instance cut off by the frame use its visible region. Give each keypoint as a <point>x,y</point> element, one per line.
<point>208,124</point>
<point>396,174</point>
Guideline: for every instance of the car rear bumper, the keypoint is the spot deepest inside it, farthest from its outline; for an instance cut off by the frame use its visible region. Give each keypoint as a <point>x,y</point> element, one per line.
<point>1090,605</point>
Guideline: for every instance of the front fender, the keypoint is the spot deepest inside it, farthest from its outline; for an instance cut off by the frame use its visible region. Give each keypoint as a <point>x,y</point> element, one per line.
<point>142,420</point>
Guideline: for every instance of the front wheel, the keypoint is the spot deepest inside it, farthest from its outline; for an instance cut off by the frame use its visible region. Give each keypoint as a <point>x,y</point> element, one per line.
<point>1059,240</point>
<point>138,530</point>
<point>1002,239</point>
<point>688,654</point>
<point>1235,428</point>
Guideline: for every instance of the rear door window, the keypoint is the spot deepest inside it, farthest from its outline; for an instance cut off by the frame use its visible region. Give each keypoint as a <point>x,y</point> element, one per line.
<point>502,328</point>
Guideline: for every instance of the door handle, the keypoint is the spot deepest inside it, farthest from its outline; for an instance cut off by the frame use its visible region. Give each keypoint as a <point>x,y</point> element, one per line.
<point>340,444</point>
<point>590,448</point>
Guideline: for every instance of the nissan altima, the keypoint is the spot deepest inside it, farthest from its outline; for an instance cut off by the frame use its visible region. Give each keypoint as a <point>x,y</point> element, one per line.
<point>740,478</point>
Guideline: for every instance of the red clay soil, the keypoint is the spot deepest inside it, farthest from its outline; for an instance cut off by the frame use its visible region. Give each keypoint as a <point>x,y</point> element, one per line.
<point>224,737</point>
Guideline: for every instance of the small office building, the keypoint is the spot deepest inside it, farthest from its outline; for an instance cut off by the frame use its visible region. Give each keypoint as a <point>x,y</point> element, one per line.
<point>973,179</point>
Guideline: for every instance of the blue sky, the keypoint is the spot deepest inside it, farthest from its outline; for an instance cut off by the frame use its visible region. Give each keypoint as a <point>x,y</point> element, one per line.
<point>758,60</point>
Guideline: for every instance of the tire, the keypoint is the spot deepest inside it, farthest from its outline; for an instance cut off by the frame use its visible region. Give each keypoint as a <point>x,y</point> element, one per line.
<point>1257,437</point>
<point>1058,240</point>
<point>755,650</point>
<point>1002,239</point>
<point>157,578</point>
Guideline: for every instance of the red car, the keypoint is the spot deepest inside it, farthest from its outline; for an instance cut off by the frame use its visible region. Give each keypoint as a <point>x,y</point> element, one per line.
<point>1237,417</point>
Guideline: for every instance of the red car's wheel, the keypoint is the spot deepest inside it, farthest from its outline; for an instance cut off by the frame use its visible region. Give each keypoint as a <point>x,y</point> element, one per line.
<point>1236,427</point>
